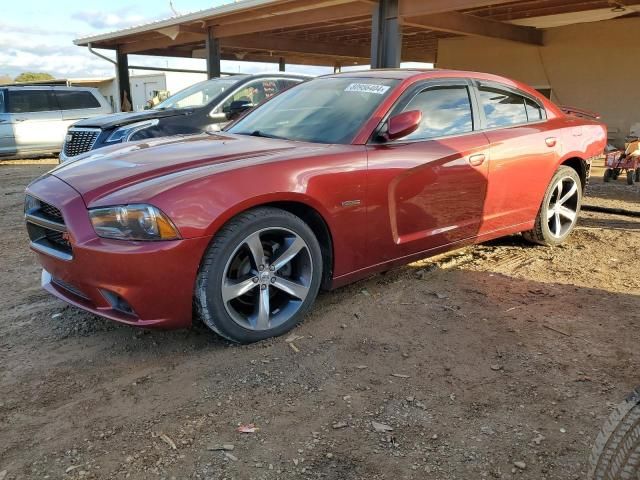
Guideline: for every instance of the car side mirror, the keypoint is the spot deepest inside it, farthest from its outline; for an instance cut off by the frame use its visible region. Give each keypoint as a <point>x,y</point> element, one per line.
<point>403,124</point>
<point>219,117</point>
<point>239,106</point>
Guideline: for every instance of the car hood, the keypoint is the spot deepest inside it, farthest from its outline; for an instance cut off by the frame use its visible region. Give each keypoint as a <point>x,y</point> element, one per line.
<point>107,170</point>
<point>119,119</point>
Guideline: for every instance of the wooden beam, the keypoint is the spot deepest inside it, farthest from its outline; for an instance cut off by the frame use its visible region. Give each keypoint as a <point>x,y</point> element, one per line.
<point>422,55</point>
<point>413,8</point>
<point>460,23</point>
<point>253,42</point>
<point>162,42</point>
<point>312,16</point>
<point>296,45</point>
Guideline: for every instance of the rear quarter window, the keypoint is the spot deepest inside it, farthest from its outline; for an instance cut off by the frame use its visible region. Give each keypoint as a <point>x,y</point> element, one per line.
<point>2,109</point>
<point>535,112</point>
<point>76,100</point>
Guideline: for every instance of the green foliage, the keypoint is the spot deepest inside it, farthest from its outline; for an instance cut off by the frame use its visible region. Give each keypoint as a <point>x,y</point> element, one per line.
<point>33,77</point>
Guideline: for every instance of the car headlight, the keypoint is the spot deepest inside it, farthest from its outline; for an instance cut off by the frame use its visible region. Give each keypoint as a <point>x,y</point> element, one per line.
<point>124,133</point>
<point>132,222</point>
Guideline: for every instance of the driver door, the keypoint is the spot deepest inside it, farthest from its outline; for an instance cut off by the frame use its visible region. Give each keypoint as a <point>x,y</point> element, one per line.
<point>427,190</point>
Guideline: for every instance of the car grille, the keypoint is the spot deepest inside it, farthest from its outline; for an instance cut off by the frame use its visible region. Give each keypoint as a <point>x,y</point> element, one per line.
<point>69,288</point>
<point>80,141</point>
<point>46,228</point>
<point>51,212</point>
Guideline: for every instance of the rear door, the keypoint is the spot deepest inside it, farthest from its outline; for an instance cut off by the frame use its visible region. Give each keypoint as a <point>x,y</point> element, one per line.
<point>524,153</point>
<point>76,105</point>
<point>427,190</point>
<point>7,140</point>
<point>37,121</point>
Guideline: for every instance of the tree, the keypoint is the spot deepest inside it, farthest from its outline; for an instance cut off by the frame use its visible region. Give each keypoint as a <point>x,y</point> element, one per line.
<point>33,77</point>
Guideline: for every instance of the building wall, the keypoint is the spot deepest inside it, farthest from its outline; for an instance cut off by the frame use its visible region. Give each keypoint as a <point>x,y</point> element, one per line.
<point>594,66</point>
<point>142,86</point>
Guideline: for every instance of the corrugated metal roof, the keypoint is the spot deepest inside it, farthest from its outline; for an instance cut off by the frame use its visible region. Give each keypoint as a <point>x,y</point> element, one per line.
<point>208,13</point>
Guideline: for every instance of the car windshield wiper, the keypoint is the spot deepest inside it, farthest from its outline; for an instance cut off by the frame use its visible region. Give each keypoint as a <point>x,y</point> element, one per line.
<point>258,133</point>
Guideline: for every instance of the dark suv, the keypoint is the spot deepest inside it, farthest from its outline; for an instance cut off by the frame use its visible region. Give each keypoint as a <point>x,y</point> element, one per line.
<point>196,109</point>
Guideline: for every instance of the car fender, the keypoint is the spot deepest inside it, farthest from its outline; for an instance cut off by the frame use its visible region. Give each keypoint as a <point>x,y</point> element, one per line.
<point>267,199</point>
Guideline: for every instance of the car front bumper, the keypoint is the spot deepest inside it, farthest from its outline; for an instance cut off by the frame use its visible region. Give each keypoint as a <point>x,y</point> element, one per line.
<point>147,284</point>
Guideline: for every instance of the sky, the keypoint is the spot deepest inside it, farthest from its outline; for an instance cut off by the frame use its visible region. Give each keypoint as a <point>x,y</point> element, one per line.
<point>37,35</point>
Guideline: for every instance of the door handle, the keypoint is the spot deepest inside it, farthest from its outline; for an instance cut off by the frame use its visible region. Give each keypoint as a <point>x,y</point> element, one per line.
<point>551,141</point>
<point>477,159</point>
<point>20,119</point>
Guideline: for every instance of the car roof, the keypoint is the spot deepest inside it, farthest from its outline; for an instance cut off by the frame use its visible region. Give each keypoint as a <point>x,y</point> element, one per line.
<point>389,73</point>
<point>271,75</point>
<point>48,87</point>
<point>422,73</point>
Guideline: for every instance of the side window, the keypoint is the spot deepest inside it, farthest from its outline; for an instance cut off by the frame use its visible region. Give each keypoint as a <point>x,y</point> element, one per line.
<point>445,111</point>
<point>76,100</point>
<point>287,83</point>
<point>535,113</point>
<point>23,101</point>
<point>502,108</point>
<point>2,110</point>
<point>253,92</point>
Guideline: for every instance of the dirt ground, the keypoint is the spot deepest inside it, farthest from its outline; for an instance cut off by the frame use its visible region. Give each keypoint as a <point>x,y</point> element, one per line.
<point>497,361</point>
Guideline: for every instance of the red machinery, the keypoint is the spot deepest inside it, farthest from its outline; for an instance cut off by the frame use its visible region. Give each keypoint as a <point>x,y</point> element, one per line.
<point>626,161</point>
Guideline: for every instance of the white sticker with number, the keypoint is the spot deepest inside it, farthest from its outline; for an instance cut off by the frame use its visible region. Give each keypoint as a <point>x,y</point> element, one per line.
<point>367,88</point>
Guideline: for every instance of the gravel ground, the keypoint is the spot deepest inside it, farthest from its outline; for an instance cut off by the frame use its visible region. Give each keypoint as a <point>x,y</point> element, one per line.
<point>498,361</point>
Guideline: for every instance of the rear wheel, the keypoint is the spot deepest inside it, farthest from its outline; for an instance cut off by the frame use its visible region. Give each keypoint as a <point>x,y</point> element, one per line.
<point>559,211</point>
<point>259,277</point>
<point>607,175</point>
<point>630,177</point>
<point>615,173</point>
<point>638,174</point>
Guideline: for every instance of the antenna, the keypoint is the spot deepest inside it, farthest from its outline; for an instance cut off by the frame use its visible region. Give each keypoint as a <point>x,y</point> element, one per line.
<point>175,12</point>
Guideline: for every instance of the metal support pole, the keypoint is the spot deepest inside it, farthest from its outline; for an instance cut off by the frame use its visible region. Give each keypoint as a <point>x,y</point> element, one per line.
<point>386,35</point>
<point>212,48</point>
<point>124,87</point>
<point>282,64</point>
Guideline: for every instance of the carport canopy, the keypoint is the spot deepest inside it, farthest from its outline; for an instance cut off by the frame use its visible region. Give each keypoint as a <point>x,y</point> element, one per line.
<point>380,33</point>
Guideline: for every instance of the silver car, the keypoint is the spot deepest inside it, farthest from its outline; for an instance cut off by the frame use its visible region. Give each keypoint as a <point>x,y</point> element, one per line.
<point>34,119</point>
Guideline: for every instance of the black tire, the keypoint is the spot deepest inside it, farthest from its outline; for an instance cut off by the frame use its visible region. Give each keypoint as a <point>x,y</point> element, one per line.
<point>541,233</point>
<point>638,175</point>
<point>615,173</point>
<point>607,175</point>
<point>630,177</point>
<point>209,305</point>
<point>616,452</point>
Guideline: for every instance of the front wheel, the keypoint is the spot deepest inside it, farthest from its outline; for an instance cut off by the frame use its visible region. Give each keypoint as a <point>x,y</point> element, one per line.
<point>559,211</point>
<point>607,175</point>
<point>260,275</point>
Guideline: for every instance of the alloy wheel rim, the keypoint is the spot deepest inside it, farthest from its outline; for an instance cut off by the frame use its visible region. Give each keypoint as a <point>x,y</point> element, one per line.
<point>267,278</point>
<point>562,209</point>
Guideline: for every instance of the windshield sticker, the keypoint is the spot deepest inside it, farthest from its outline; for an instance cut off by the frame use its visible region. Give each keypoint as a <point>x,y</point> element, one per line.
<point>367,88</point>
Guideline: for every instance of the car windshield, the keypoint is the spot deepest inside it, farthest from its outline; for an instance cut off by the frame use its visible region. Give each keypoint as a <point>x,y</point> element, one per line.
<point>199,94</point>
<point>324,110</point>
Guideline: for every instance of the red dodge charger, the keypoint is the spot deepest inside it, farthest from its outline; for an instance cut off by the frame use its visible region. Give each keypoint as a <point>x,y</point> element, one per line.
<point>329,182</point>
